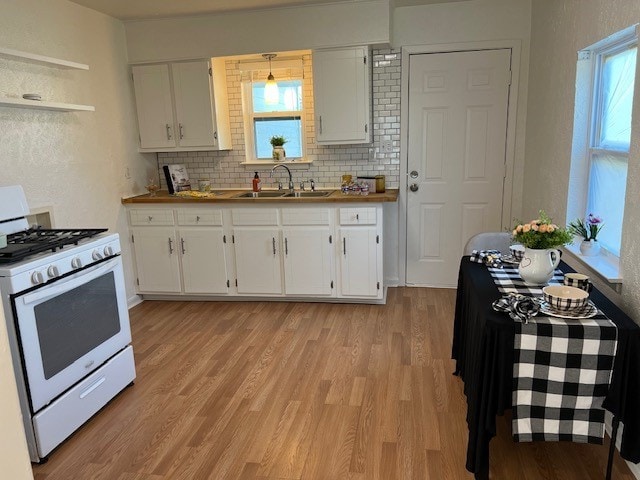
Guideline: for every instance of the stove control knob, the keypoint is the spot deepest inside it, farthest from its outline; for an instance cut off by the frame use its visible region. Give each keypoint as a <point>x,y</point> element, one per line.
<point>96,255</point>
<point>76,262</point>
<point>53,271</point>
<point>108,251</point>
<point>37,278</point>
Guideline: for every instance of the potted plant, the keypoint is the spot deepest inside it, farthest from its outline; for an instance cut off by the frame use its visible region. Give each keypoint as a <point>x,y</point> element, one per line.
<point>540,238</point>
<point>277,142</point>
<point>588,230</point>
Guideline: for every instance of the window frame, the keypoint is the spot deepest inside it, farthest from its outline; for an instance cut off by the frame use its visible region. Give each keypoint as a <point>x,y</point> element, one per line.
<point>249,116</point>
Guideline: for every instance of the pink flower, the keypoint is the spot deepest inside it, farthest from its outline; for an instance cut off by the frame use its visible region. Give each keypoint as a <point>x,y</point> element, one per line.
<point>526,228</point>
<point>519,228</point>
<point>593,219</point>
<point>534,227</point>
<point>551,228</point>
<point>514,233</point>
<point>544,228</point>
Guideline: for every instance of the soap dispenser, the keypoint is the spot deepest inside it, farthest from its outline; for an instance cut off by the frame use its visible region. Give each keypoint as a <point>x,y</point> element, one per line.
<point>256,183</point>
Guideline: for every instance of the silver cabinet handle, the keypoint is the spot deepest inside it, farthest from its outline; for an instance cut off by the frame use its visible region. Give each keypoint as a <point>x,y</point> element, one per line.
<point>181,132</point>
<point>320,124</point>
<point>344,245</point>
<point>197,218</point>
<point>168,131</point>
<point>150,217</point>
<point>274,244</point>
<point>286,246</point>
<point>182,245</point>
<point>170,246</point>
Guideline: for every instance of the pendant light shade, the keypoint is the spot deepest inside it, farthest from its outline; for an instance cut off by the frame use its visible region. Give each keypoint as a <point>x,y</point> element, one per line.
<point>271,94</point>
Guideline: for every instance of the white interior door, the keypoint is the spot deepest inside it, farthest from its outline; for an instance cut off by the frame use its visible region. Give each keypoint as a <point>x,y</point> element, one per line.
<point>458,104</point>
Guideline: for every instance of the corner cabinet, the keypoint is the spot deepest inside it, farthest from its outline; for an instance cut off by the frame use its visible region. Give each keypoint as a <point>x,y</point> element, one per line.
<point>342,95</point>
<point>182,106</point>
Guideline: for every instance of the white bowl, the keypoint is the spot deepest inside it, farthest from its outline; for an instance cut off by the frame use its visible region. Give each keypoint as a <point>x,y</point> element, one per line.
<point>564,298</point>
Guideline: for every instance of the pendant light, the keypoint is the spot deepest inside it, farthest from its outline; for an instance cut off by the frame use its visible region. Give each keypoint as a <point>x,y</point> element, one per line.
<point>271,94</point>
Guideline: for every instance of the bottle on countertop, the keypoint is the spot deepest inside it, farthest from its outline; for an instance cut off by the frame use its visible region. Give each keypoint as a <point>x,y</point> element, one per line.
<point>256,183</point>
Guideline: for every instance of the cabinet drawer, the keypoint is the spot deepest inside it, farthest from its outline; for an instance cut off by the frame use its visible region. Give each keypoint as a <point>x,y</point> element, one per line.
<point>254,216</point>
<point>358,216</point>
<point>151,217</point>
<point>200,217</point>
<point>305,216</point>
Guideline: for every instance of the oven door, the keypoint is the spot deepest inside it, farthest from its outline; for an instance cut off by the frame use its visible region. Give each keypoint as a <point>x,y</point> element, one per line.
<point>70,327</point>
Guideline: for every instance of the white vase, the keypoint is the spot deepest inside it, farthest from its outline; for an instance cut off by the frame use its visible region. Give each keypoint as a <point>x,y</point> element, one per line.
<point>279,155</point>
<point>537,265</point>
<point>589,248</point>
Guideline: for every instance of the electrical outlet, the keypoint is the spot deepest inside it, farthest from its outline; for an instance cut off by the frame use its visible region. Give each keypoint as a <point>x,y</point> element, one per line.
<point>386,146</point>
<point>127,174</point>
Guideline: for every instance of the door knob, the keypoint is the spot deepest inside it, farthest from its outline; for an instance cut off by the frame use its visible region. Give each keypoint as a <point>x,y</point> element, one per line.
<point>413,187</point>
<point>413,174</point>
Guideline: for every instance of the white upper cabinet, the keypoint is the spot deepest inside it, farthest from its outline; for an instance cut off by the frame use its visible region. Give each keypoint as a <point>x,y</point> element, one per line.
<point>342,95</point>
<point>177,108</point>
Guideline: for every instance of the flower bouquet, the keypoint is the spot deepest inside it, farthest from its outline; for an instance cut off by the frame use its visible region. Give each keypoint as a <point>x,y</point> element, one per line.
<point>588,230</point>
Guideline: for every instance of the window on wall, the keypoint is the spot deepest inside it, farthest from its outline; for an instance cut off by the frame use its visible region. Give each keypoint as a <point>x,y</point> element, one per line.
<point>263,120</point>
<point>609,78</point>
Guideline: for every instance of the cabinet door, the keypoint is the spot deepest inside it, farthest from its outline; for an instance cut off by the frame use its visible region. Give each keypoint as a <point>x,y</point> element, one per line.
<point>307,261</point>
<point>154,106</point>
<point>258,260</point>
<point>342,95</point>
<point>157,261</point>
<point>204,266</point>
<point>359,262</point>
<point>192,91</point>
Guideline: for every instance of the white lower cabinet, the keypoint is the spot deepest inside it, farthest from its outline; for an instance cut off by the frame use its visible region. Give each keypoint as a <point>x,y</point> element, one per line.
<point>308,257</point>
<point>359,254</point>
<point>157,260</point>
<point>257,260</point>
<point>312,251</point>
<point>204,266</point>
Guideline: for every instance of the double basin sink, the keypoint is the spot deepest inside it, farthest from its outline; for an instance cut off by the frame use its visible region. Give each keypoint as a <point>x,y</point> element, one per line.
<point>283,194</point>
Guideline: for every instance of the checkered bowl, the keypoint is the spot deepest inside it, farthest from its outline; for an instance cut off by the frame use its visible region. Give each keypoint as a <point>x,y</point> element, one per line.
<point>517,251</point>
<point>564,298</point>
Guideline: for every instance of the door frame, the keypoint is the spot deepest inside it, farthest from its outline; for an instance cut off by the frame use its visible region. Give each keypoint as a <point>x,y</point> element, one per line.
<point>515,46</point>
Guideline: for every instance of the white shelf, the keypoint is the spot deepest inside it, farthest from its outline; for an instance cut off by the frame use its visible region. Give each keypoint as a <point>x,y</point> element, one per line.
<point>41,59</point>
<point>58,107</point>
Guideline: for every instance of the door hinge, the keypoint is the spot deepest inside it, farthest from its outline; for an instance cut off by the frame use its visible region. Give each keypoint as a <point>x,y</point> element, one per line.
<point>137,281</point>
<point>331,283</point>
<point>366,128</point>
<point>224,239</point>
<point>378,239</point>
<point>330,238</point>
<point>378,285</point>
<point>133,240</point>
<point>228,283</point>
<point>364,59</point>
<point>210,72</point>
<point>215,136</point>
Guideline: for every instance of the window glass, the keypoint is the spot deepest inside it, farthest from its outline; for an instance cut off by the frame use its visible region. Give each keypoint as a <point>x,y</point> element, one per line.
<point>290,128</point>
<point>618,78</point>
<point>607,188</point>
<point>290,100</point>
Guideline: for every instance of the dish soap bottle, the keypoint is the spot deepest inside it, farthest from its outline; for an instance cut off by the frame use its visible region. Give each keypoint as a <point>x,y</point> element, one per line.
<point>256,183</point>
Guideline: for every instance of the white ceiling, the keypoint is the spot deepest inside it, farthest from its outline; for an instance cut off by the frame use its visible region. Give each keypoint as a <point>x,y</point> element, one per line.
<point>140,9</point>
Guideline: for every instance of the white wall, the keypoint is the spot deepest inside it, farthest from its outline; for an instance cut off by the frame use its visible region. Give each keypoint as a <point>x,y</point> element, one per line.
<point>559,30</point>
<point>359,23</point>
<point>475,21</point>
<point>73,162</point>
<point>13,446</point>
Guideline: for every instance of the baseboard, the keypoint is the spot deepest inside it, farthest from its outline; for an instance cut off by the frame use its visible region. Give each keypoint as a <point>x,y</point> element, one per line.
<point>635,469</point>
<point>392,282</point>
<point>133,301</point>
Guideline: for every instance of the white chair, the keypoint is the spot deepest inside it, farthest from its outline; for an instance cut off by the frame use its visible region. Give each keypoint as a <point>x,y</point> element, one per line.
<point>489,241</point>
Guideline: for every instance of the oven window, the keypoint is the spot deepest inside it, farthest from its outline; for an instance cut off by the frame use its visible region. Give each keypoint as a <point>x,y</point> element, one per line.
<point>74,323</point>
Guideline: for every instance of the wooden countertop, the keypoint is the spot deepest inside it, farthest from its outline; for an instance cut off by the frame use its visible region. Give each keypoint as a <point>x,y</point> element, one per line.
<point>228,196</point>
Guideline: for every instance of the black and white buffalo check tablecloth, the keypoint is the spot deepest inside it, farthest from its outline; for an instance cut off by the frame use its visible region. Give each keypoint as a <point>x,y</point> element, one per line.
<point>562,370</point>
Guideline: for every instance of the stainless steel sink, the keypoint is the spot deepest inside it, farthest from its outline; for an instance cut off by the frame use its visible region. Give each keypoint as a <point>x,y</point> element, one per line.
<point>307,194</point>
<point>260,195</point>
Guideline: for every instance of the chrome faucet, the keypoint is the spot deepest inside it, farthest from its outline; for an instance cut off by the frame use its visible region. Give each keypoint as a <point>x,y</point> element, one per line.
<point>291,186</point>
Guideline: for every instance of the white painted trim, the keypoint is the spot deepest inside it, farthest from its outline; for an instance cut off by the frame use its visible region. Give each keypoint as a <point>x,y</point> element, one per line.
<point>133,301</point>
<point>515,46</point>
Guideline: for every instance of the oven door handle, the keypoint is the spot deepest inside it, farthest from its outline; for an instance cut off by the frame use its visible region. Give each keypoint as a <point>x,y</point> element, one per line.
<point>59,288</point>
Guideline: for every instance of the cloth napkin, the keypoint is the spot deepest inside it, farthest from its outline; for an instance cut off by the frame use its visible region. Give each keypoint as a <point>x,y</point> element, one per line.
<point>519,307</point>
<point>491,258</point>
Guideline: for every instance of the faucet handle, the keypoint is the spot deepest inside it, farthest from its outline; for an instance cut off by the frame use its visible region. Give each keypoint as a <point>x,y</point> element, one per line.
<point>279,185</point>
<point>313,184</point>
<point>302,185</point>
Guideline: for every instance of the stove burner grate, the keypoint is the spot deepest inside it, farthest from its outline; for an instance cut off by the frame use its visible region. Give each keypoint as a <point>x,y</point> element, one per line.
<point>36,240</point>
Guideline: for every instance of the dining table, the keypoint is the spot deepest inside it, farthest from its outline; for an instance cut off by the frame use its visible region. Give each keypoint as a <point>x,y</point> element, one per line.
<point>483,350</point>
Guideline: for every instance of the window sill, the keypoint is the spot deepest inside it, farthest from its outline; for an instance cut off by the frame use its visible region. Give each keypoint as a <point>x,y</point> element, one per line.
<point>605,264</point>
<point>298,164</point>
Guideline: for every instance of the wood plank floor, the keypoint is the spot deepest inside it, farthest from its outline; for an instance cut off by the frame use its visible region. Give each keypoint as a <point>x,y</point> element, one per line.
<point>300,391</point>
